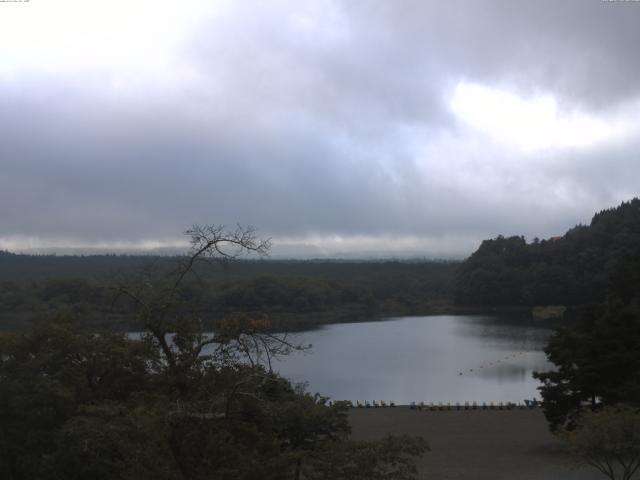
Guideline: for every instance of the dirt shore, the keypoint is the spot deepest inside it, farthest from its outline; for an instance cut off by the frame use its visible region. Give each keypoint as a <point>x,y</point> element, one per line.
<point>476,444</point>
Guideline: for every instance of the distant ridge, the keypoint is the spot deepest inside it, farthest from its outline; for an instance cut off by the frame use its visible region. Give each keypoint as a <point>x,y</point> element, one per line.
<point>71,251</point>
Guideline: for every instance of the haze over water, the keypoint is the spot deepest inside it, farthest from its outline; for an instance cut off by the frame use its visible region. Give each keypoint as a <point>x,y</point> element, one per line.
<point>432,359</point>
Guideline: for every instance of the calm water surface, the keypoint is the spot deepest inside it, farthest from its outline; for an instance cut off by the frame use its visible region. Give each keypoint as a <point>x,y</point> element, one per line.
<point>432,359</point>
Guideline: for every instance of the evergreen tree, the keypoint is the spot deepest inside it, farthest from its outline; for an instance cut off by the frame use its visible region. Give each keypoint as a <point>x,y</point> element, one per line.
<point>596,355</point>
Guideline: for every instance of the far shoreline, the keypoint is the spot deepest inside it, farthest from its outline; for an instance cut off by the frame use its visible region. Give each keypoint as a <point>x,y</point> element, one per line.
<point>283,322</point>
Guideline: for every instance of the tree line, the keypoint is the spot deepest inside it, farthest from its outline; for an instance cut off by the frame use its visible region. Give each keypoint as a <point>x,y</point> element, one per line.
<point>292,293</point>
<point>573,269</point>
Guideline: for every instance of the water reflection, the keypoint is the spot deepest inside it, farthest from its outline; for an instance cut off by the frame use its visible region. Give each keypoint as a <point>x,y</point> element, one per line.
<point>506,373</point>
<point>436,358</point>
<point>504,332</point>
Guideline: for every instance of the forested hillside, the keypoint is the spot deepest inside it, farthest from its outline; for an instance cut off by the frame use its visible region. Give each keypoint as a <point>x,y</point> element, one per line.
<point>506,271</point>
<point>290,292</point>
<point>570,270</point>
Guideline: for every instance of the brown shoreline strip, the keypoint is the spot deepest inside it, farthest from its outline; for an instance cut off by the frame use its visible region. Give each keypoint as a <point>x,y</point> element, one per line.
<point>476,444</point>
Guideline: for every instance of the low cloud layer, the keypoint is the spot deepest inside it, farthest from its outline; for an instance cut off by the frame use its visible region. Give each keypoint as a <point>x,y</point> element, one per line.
<point>334,127</point>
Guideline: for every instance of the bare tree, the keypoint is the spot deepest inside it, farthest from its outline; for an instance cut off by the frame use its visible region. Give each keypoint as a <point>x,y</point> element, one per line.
<point>176,325</point>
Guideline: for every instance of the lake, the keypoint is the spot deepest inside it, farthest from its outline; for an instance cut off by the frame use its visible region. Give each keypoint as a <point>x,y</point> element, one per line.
<point>446,358</point>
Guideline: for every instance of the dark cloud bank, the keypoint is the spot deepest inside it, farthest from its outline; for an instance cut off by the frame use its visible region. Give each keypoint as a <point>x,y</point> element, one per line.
<point>329,128</point>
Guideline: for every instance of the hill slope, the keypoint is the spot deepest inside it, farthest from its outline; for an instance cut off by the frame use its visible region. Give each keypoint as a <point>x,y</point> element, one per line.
<point>573,269</point>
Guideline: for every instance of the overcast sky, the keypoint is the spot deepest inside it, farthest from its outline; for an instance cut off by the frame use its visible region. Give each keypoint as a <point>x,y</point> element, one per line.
<point>404,127</point>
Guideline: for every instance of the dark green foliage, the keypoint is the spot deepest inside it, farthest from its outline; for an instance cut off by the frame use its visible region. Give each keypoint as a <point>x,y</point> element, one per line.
<point>291,293</point>
<point>110,441</point>
<point>570,270</point>
<point>77,405</point>
<point>46,376</point>
<point>352,460</point>
<point>597,354</point>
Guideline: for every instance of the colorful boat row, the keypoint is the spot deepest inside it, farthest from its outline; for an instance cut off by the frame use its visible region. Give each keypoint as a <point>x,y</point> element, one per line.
<point>441,406</point>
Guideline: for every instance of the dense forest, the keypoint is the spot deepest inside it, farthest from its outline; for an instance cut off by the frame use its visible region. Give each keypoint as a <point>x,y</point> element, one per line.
<point>570,270</point>
<point>175,402</point>
<point>291,293</point>
<point>595,347</point>
<point>504,272</point>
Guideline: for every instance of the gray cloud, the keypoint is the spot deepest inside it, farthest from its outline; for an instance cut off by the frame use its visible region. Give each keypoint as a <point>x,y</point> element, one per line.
<point>324,122</point>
